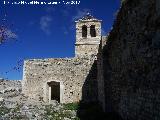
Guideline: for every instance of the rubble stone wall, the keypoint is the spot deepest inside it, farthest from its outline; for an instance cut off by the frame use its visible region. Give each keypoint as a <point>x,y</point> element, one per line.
<point>100,76</point>
<point>72,72</point>
<point>132,60</point>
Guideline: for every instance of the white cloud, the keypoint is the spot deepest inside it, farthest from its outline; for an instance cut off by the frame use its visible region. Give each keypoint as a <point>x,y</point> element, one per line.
<point>45,23</point>
<point>80,14</point>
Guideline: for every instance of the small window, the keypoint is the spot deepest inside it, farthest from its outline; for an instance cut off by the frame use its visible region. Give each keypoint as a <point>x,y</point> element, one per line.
<point>93,31</point>
<point>84,31</point>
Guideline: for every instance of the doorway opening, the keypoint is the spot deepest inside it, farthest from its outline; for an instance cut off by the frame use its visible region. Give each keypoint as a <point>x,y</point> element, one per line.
<point>54,91</point>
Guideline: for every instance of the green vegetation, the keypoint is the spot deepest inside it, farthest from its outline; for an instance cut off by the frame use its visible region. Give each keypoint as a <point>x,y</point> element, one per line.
<point>71,106</point>
<point>16,116</point>
<point>17,108</point>
<point>72,111</point>
<point>19,117</point>
<point>61,112</point>
<point>4,110</point>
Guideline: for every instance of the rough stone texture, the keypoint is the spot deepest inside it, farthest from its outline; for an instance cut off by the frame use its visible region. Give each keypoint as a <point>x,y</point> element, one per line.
<point>71,72</point>
<point>9,88</point>
<point>88,45</point>
<point>4,84</point>
<point>86,49</point>
<point>124,77</point>
<point>100,77</point>
<point>77,76</point>
<point>131,62</point>
<point>16,106</point>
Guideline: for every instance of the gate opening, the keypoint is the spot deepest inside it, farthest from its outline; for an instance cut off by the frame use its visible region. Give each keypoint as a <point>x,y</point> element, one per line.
<point>54,91</point>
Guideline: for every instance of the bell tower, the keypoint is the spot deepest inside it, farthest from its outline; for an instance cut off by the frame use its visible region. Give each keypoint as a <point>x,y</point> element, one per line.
<point>88,35</point>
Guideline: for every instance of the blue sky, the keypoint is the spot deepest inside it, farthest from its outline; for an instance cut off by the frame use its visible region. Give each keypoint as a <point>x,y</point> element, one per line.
<point>46,31</point>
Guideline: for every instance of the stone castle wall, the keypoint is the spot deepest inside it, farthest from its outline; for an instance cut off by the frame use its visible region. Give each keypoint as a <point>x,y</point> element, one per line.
<point>100,77</point>
<point>132,60</point>
<point>125,75</point>
<point>77,76</point>
<point>87,49</point>
<point>71,72</point>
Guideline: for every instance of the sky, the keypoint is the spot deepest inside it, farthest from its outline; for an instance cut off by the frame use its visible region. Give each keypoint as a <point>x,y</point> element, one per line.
<point>46,31</point>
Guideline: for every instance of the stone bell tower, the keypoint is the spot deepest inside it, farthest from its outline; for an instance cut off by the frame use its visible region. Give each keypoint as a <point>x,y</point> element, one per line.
<point>88,35</point>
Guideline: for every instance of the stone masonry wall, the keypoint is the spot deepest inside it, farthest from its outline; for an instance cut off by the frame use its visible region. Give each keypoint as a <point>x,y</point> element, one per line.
<point>88,45</point>
<point>100,77</point>
<point>79,25</point>
<point>132,60</point>
<point>72,72</point>
<point>87,49</point>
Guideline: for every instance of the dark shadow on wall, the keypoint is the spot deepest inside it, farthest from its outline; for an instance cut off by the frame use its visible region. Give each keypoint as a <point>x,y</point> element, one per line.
<point>89,89</point>
<point>131,61</point>
<point>93,111</point>
<point>89,108</point>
